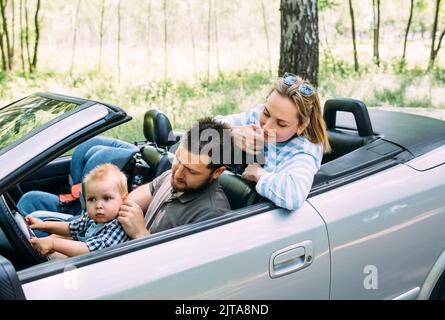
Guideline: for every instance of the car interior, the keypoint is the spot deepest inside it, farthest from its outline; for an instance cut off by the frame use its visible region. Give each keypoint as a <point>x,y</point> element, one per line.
<point>354,148</point>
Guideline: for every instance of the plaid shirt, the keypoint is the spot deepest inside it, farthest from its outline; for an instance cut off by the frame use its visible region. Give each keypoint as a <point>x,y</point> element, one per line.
<point>106,235</point>
<point>291,165</point>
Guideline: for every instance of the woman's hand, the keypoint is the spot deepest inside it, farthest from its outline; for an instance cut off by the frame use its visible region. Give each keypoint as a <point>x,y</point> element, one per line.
<point>43,245</point>
<point>132,220</point>
<point>253,172</point>
<point>35,223</point>
<point>249,138</point>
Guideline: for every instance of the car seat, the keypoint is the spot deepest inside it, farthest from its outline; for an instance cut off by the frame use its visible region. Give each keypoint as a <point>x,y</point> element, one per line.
<point>240,193</point>
<point>160,137</point>
<point>93,152</point>
<point>345,139</point>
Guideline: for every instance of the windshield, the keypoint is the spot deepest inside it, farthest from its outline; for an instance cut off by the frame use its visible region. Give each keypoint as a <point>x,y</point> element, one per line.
<point>24,116</point>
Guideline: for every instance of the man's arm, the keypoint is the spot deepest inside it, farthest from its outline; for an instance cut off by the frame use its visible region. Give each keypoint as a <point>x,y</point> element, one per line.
<point>55,227</point>
<point>141,196</point>
<point>132,219</point>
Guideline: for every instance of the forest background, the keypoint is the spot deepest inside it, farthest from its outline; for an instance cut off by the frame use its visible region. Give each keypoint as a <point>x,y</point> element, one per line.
<point>194,58</point>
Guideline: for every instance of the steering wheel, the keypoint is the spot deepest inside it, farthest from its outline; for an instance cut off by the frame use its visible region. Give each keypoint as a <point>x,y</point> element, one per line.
<point>18,234</point>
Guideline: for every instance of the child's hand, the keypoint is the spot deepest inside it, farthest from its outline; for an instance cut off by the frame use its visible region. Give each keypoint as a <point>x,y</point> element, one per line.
<point>43,245</point>
<point>35,223</point>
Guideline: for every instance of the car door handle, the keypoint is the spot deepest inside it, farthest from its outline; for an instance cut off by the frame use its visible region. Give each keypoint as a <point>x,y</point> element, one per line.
<point>291,259</point>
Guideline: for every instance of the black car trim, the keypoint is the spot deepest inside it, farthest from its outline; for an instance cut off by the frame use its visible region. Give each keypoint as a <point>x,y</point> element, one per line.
<point>358,162</point>
<point>56,267</point>
<point>415,133</point>
<point>61,97</point>
<point>354,176</point>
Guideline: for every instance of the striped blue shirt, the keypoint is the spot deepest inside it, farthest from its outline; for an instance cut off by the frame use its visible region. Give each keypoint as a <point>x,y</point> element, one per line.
<point>290,165</point>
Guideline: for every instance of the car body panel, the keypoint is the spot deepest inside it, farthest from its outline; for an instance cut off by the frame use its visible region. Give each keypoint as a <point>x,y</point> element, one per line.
<point>227,262</point>
<point>400,236</point>
<point>429,160</point>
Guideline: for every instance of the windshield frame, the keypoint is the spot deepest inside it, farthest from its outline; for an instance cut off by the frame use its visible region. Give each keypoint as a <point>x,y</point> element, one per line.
<point>81,105</point>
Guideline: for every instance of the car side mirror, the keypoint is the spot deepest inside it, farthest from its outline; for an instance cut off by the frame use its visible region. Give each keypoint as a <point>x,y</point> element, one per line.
<point>10,286</point>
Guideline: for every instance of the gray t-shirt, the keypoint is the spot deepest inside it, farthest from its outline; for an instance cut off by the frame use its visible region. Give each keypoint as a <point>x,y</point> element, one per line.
<point>167,210</point>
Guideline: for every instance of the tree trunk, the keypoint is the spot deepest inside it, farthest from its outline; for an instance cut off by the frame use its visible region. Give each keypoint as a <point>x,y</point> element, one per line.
<point>119,43</point>
<point>148,38</point>
<point>376,27</point>
<point>37,34</point>
<point>299,38</point>
<point>12,30</point>
<point>101,34</point>
<point>5,33</point>
<point>328,51</point>
<point>73,50</point>
<point>165,41</point>
<point>351,12</point>
<point>2,49</point>
<point>434,49</point>
<point>28,51</point>
<point>266,33</point>
<point>22,34</point>
<point>2,44</point>
<point>407,29</point>
<point>209,26</point>
<point>215,17</point>
<point>189,13</point>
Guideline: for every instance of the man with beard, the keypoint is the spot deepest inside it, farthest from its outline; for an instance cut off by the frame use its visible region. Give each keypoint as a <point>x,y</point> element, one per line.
<point>187,193</point>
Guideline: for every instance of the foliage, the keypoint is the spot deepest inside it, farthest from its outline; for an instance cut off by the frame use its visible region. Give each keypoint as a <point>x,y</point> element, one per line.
<point>324,5</point>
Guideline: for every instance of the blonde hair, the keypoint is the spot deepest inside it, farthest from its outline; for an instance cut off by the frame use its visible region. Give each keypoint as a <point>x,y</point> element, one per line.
<point>309,111</point>
<point>108,171</point>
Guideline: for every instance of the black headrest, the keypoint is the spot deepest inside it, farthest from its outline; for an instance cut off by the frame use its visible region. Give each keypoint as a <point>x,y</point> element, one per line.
<point>157,128</point>
<point>238,192</point>
<point>356,107</point>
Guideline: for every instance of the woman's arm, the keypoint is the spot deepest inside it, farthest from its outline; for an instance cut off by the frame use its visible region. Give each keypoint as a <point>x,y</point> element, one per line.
<point>241,119</point>
<point>67,247</point>
<point>55,227</point>
<point>245,129</point>
<point>289,186</point>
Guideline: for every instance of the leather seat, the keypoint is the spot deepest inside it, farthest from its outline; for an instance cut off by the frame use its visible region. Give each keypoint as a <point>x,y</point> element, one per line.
<point>343,142</point>
<point>239,192</point>
<point>343,137</point>
<point>159,134</point>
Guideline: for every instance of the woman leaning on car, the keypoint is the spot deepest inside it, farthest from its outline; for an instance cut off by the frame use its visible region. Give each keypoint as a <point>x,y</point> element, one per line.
<point>290,132</point>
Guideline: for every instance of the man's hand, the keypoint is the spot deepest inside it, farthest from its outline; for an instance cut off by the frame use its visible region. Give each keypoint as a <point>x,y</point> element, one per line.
<point>35,223</point>
<point>132,220</point>
<point>43,245</point>
<point>249,138</point>
<point>253,172</point>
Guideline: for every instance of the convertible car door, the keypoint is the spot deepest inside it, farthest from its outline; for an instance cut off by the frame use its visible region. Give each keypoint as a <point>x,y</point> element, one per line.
<point>386,231</point>
<point>275,254</point>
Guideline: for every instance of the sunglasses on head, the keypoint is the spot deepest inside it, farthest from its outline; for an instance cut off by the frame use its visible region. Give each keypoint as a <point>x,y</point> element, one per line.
<point>304,88</point>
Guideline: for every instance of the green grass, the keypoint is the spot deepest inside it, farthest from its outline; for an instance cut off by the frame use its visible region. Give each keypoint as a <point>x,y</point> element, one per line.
<point>185,102</point>
<point>389,85</point>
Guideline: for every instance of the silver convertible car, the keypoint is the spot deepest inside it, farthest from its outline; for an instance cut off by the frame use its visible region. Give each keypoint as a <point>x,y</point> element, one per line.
<point>373,226</point>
